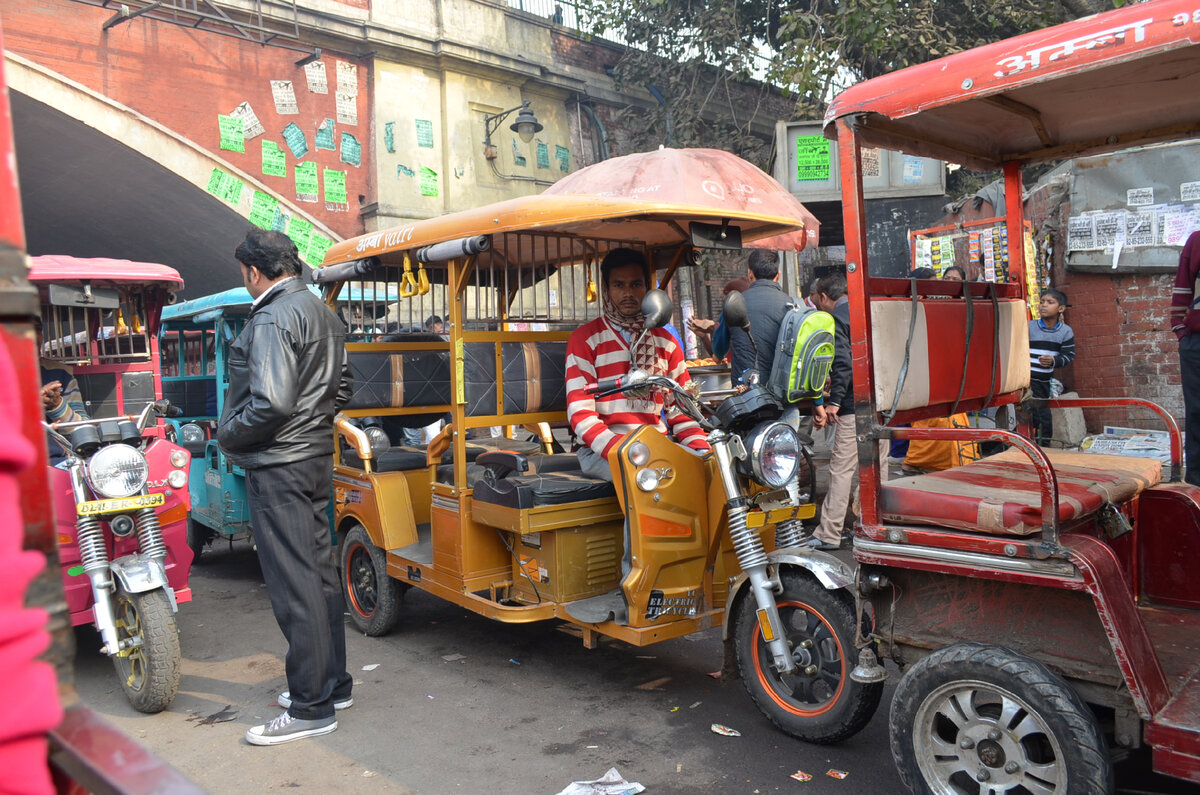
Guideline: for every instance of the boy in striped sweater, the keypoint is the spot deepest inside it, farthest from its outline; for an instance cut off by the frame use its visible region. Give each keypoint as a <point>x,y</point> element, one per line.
<point>1051,345</point>
<point>600,349</point>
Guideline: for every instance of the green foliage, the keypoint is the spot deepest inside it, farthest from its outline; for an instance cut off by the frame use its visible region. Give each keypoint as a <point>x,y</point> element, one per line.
<point>700,54</point>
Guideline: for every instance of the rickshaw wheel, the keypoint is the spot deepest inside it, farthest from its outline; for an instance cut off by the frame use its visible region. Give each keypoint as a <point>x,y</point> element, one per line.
<point>198,537</point>
<point>149,671</point>
<point>819,702</point>
<point>372,597</point>
<point>972,718</point>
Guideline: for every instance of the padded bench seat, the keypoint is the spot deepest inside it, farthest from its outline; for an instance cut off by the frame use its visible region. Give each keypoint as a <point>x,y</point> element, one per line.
<point>553,488</point>
<point>400,458</point>
<point>1001,494</point>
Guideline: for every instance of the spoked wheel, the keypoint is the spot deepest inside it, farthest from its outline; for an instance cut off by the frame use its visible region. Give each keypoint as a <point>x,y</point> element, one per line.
<point>149,668</point>
<point>982,719</point>
<point>198,537</point>
<point>818,702</point>
<point>372,597</point>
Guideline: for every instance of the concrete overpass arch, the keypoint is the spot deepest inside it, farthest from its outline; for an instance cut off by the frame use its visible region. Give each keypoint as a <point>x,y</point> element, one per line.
<point>99,179</point>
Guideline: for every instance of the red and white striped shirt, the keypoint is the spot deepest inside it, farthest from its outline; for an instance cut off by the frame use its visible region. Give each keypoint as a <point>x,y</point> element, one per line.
<point>597,350</point>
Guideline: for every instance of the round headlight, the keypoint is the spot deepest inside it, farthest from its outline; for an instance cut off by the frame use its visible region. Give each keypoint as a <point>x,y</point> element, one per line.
<point>177,479</point>
<point>190,433</point>
<point>117,471</point>
<point>179,459</point>
<point>639,454</point>
<point>647,479</point>
<point>774,454</point>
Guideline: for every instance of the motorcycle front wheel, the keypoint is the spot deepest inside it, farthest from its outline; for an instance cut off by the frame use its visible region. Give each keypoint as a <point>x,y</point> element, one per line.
<point>149,669</point>
<point>818,702</point>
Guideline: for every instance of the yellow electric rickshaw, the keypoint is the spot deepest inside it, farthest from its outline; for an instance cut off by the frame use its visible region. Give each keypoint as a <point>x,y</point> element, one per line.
<point>512,529</point>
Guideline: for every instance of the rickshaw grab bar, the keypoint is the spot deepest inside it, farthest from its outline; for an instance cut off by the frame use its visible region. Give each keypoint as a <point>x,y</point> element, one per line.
<point>356,436</point>
<point>453,249</point>
<point>1045,472</point>
<point>345,271</point>
<point>1172,425</point>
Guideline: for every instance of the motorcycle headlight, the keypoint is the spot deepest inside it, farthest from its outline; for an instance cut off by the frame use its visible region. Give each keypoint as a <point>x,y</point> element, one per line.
<point>378,438</point>
<point>117,471</point>
<point>774,453</point>
<point>190,433</point>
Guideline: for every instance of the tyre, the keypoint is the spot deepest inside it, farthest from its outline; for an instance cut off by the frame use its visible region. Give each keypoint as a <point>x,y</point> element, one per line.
<point>198,537</point>
<point>149,668</point>
<point>818,703</point>
<point>372,597</point>
<point>975,718</point>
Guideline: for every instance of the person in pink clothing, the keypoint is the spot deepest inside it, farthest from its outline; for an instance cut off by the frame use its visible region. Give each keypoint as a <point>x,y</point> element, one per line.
<point>1185,322</point>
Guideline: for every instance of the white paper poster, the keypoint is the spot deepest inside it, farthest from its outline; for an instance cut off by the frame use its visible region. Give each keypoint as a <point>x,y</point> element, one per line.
<point>318,83</point>
<point>1189,192</point>
<point>251,126</point>
<point>285,97</point>
<point>347,78</point>
<point>1139,197</point>
<point>347,109</point>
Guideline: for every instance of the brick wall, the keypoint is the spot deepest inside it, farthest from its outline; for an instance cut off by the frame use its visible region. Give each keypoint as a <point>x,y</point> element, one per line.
<point>1125,347</point>
<point>184,78</point>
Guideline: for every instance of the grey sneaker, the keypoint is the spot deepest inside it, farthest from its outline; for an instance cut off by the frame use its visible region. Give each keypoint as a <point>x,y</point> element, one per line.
<point>285,728</point>
<point>285,701</point>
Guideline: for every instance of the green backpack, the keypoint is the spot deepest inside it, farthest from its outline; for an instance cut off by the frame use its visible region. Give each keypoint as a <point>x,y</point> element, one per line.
<point>803,355</point>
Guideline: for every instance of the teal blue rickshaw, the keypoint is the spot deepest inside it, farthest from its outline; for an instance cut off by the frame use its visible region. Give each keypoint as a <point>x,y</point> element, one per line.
<point>194,346</point>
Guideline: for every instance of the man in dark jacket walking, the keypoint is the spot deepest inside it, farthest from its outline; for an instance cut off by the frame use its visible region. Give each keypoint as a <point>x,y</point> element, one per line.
<point>288,376</point>
<point>830,296</point>
<point>766,305</point>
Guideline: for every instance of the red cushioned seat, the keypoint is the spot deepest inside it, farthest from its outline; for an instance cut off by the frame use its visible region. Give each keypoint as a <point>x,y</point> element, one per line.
<point>1002,494</point>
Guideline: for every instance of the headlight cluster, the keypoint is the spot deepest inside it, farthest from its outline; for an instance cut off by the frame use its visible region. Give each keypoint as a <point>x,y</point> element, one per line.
<point>191,433</point>
<point>118,470</point>
<point>774,452</point>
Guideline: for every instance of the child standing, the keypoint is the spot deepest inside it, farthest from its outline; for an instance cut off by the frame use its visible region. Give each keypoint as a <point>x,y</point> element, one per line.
<point>1051,345</point>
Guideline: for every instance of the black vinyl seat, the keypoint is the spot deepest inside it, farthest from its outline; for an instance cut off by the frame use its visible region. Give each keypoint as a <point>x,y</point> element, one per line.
<point>400,458</point>
<point>541,488</point>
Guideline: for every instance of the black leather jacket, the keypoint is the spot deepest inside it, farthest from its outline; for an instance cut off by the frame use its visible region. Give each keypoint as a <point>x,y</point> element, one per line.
<point>288,376</point>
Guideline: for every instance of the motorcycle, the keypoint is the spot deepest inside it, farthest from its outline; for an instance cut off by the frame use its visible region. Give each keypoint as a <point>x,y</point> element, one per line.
<point>119,542</point>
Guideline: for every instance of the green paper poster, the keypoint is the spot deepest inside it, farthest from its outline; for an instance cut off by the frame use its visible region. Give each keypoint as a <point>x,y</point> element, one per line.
<point>424,134</point>
<point>293,136</point>
<point>317,246</point>
<point>335,186</point>
<point>518,158</point>
<point>351,150</point>
<point>299,231</point>
<point>543,155</point>
<point>263,207</point>
<point>324,136</point>
<point>389,136</point>
<point>232,136</point>
<point>306,182</point>
<point>563,155</point>
<point>225,186</point>
<point>274,161</point>
<point>280,223</point>
<point>429,182</point>
<point>812,158</point>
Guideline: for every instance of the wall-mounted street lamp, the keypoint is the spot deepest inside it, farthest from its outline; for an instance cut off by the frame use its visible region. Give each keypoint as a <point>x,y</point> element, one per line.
<point>526,126</point>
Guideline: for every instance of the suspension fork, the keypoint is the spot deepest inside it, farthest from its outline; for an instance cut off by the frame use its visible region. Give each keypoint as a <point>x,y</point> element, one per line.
<point>764,584</point>
<point>94,556</point>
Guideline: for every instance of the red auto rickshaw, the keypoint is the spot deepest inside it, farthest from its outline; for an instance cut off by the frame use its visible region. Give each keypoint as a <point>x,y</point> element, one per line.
<point>1040,602</point>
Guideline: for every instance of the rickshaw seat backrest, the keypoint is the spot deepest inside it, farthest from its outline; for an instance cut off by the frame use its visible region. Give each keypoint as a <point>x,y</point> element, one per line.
<point>935,358</point>
<point>533,377</point>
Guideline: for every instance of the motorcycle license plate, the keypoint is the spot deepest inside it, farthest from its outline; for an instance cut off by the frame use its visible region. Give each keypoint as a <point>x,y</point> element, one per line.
<point>120,505</point>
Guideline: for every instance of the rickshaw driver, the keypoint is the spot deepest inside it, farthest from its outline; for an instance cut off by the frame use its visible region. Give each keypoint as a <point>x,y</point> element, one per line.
<point>61,399</point>
<point>600,349</point>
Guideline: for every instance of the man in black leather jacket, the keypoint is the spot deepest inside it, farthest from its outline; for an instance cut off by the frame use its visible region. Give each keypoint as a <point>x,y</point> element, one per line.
<point>288,376</point>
